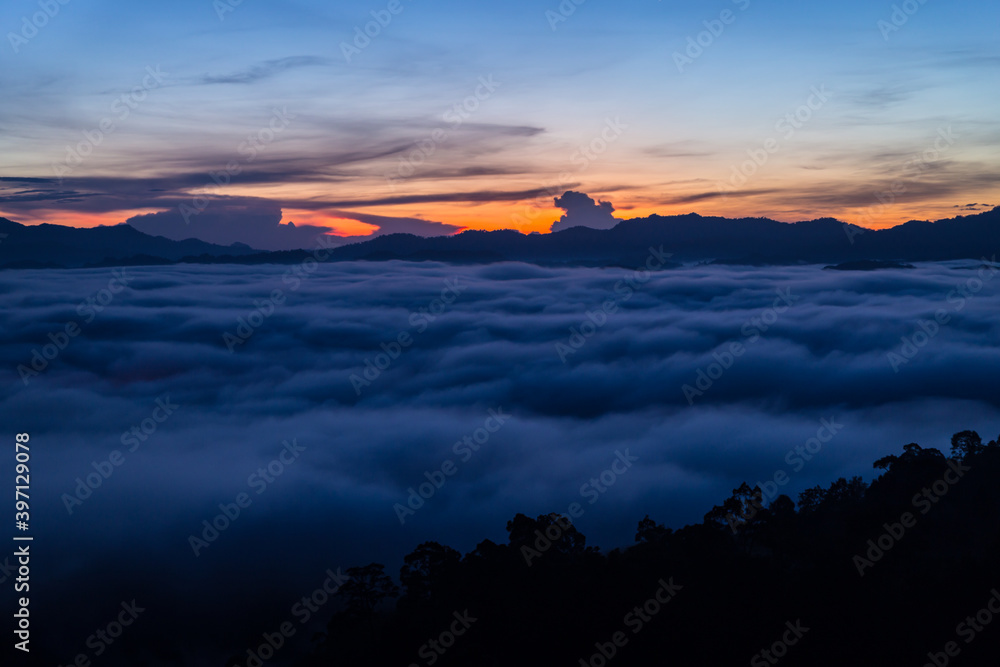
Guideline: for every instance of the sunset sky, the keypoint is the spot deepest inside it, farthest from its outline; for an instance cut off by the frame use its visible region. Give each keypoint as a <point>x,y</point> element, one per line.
<point>476,115</point>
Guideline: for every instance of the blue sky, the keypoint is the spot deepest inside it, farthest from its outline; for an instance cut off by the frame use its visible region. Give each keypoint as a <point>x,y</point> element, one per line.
<point>893,87</point>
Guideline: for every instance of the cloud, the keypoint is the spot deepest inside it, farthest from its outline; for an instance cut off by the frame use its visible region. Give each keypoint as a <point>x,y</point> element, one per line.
<point>678,149</point>
<point>493,346</point>
<point>478,197</point>
<point>720,194</point>
<point>390,225</point>
<point>255,222</point>
<point>927,182</point>
<point>883,96</point>
<point>583,211</point>
<point>110,194</point>
<point>265,70</point>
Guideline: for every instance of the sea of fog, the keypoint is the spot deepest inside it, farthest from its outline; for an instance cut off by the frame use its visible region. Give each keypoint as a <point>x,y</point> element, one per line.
<point>322,401</point>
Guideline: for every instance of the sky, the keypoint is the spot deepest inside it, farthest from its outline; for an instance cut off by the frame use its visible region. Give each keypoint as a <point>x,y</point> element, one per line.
<point>200,118</point>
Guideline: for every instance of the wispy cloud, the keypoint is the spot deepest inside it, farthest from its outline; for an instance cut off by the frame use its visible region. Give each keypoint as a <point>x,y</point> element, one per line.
<point>264,70</point>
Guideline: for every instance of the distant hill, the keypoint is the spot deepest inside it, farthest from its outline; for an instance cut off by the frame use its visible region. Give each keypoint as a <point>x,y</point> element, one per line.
<point>696,238</point>
<point>691,237</point>
<point>49,246</point>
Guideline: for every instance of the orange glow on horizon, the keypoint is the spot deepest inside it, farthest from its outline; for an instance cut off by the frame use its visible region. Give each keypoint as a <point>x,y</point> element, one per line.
<point>524,216</point>
<point>338,226</point>
<point>75,218</point>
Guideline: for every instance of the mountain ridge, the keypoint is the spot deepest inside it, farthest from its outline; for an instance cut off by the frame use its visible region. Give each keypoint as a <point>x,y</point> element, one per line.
<point>689,238</point>
<point>75,247</point>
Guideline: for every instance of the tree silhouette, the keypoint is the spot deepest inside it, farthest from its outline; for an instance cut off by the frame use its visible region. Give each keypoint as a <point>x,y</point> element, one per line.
<point>912,453</point>
<point>965,444</point>
<point>426,570</point>
<point>650,532</point>
<point>782,507</point>
<point>811,499</point>
<point>549,533</point>
<point>829,563</point>
<point>739,510</point>
<point>366,588</point>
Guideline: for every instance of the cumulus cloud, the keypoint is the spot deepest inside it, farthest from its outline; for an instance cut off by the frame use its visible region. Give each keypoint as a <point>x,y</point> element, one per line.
<point>392,225</point>
<point>583,211</point>
<point>255,222</point>
<point>494,347</point>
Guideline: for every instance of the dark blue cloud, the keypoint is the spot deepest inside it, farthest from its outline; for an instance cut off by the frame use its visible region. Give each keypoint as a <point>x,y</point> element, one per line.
<point>494,346</point>
<point>583,211</point>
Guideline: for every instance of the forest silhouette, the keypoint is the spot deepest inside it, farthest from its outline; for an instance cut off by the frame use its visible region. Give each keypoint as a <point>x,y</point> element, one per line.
<point>902,571</point>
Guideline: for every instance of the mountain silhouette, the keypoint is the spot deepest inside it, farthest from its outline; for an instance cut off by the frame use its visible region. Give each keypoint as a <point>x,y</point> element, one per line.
<point>697,238</point>
<point>54,246</point>
<point>687,238</point>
